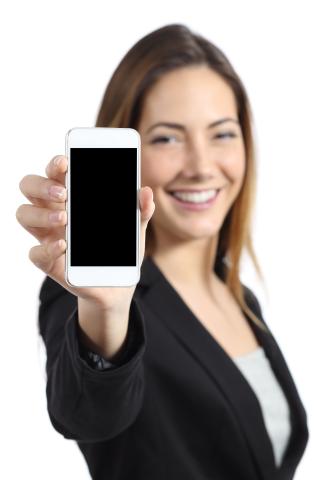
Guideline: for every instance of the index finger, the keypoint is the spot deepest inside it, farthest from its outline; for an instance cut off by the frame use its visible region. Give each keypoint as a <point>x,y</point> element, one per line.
<point>57,167</point>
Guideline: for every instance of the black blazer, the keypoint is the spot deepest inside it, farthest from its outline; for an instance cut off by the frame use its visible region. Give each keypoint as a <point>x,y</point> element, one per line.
<point>177,407</point>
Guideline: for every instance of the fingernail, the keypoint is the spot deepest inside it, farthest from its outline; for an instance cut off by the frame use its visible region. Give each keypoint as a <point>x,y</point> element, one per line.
<point>57,192</point>
<point>57,161</point>
<point>55,216</point>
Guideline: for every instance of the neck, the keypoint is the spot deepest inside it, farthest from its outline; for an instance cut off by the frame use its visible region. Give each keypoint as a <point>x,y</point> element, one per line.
<point>190,262</point>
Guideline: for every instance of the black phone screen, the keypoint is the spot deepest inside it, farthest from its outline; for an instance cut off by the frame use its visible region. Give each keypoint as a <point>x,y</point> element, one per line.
<point>103,206</point>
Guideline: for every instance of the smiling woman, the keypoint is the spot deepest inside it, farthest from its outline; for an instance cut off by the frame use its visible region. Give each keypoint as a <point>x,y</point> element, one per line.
<point>198,387</point>
<point>177,86</point>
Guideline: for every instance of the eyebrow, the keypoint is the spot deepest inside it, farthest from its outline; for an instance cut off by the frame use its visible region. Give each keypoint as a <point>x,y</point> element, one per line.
<point>181,127</point>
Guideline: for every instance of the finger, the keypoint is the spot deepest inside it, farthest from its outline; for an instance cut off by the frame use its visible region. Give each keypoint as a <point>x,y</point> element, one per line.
<point>147,208</point>
<point>146,203</point>
<point>32,216</point>
<point>48,257</point>
<point>57,167</point>
<point>42,191</point>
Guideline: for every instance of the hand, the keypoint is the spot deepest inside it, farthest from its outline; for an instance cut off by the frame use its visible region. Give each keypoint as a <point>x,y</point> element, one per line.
<point>48,196</point>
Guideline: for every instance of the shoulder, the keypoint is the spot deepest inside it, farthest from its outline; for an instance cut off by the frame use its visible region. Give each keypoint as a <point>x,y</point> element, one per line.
<point>252,301</point>
<point>254,305</point>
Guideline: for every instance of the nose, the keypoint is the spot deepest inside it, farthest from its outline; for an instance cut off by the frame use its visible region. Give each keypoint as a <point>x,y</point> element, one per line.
<point>199,161</point>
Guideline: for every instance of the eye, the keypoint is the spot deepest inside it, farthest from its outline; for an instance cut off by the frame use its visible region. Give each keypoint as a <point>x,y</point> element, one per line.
<point>163,139</point>
<point>226,135</point>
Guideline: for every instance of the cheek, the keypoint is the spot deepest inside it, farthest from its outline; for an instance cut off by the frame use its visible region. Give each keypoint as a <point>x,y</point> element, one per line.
<point>234,165</point>
<point>156,171</point>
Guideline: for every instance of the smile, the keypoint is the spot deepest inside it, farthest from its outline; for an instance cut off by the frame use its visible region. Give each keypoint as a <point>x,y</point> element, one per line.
<point>196,197</point>
<point>196,200</point>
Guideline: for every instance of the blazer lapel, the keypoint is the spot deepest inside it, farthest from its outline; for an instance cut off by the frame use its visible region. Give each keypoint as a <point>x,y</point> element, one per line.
<point>166,303</point>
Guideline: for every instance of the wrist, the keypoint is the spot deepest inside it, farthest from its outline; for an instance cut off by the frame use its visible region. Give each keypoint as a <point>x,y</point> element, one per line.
<point>102,332</point>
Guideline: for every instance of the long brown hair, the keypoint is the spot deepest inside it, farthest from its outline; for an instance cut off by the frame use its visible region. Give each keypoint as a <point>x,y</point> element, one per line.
<point>161,51</point>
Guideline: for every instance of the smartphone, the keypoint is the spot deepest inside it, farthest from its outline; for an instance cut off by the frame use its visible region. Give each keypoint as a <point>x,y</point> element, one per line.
<point>103,215</point>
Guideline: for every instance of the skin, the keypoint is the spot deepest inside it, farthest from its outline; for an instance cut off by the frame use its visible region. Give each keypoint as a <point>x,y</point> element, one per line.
<point>192,157</point>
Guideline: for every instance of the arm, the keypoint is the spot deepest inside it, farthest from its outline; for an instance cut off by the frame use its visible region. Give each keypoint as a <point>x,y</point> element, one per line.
<point>83,403</point>
<point>99,362</point>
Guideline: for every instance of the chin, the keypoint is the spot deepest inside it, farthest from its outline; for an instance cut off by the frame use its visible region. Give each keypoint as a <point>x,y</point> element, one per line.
<point>196,233</point>
<point>187,228</point>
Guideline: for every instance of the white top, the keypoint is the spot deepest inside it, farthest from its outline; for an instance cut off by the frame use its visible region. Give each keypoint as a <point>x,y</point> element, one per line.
<point>256,368</point>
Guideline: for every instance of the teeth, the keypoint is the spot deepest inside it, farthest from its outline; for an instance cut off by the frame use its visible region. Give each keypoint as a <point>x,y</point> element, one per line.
<point>196,197</point>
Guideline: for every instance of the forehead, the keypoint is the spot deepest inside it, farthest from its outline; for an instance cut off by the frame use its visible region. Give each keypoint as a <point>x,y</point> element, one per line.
<point>189,93</point>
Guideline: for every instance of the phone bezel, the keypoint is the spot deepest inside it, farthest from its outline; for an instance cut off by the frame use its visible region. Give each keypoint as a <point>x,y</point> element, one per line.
<point>102,137</point>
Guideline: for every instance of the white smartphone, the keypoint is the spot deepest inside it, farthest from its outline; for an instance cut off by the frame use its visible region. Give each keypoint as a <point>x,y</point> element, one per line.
<point>103,215</point>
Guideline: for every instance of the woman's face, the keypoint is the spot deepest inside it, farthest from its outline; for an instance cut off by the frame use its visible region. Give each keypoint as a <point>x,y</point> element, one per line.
<point>191,142</point>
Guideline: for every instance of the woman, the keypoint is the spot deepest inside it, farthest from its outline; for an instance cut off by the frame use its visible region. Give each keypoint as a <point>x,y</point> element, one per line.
<point>178,377</point>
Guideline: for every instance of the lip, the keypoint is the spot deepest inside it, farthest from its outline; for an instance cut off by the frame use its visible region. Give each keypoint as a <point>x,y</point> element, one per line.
<point>193,190</point>
<point>195,207</point>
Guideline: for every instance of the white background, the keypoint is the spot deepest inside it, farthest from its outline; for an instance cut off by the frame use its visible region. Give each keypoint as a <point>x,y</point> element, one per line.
<point>56,60</point>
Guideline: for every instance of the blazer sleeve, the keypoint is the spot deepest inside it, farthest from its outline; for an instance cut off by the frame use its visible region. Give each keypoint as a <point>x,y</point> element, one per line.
<point>87,404</point>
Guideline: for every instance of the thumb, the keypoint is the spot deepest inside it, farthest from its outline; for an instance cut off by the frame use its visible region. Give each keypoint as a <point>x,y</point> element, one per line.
<point>147,205</point>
